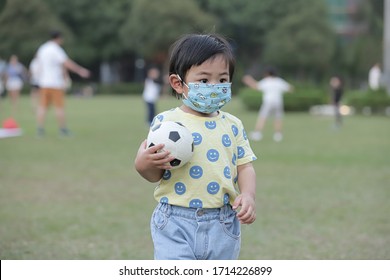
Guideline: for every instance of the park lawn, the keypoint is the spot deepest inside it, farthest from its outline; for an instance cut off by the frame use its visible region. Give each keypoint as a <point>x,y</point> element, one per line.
<point>322,193</point>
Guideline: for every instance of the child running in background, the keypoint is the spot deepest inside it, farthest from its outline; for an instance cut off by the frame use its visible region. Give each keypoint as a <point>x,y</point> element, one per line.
<point>273,88</point>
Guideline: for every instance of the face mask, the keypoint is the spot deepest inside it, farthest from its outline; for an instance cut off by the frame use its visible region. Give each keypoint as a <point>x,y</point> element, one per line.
<point>207,98</point>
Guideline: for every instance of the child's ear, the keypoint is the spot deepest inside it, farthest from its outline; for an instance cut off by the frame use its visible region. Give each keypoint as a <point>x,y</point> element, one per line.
<point>176,83</point>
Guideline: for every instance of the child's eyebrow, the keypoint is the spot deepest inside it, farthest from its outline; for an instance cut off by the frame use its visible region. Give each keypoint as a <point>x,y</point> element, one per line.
<point>209,73</point>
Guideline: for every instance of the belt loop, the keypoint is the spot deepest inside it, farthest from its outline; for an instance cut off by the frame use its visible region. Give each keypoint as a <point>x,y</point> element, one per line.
<point>166,209</point>
<point>222,213</point>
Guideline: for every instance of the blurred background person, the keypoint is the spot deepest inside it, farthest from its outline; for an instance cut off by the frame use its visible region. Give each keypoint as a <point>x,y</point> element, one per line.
<point>273,88</point>
<point>336,85</point>
<point>54,62</point>
<point>151,92</point>
<point>374,76</point>
<point>14,75</point>
<point>3,66</point>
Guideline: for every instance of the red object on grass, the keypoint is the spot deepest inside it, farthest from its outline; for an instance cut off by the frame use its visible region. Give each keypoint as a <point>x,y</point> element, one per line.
<point>10,123</point>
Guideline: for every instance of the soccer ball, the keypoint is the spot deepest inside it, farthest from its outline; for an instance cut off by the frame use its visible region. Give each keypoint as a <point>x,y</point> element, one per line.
<point>177,139</point>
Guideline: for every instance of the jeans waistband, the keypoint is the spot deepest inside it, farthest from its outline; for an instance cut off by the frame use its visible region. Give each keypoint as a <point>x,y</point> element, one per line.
<point>204,214</point>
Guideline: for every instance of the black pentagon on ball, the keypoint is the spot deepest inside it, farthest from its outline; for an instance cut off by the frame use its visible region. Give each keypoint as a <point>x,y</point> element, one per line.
<point>174,136</point>
<point>175,162</point>
<point>151,145</point>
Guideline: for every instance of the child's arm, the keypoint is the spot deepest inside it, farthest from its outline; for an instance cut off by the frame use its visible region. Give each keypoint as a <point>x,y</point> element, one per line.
<point>151,165</point>
<point>250,82</point>
<point>247,184</point>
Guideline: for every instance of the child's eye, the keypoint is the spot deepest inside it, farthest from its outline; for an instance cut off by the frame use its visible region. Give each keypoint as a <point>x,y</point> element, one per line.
<point>204,81</point>
<point>223,80</point>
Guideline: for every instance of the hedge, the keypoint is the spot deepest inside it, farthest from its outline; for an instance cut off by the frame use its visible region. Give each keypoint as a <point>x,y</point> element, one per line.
<point>376,101</point>
<point>301,99</point>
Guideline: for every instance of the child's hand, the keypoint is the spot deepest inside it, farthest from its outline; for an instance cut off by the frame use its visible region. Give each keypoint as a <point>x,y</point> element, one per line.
<point>150,163</point>
<point>151,158</point>
<point>247,213</point>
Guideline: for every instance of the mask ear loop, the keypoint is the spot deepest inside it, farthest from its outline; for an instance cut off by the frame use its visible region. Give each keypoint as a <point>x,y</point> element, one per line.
<point>178,76</point>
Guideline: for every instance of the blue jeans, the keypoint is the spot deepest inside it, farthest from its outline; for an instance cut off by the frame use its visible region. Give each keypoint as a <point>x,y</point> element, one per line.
<point>181,233</point>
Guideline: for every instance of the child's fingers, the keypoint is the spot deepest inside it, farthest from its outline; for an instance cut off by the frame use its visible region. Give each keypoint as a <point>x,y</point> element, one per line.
<point>246,216</point>
<point>164,166</point>
<point>236,203</point>
<point>156,148</point>
<point>162,161</point>
<point>159,156</point>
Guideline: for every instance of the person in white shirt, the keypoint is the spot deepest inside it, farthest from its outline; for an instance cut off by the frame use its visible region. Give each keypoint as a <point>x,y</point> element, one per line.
<point>151,92</point>
<point>374,77</point>
<point>273,88</point>
<point>53,64</point>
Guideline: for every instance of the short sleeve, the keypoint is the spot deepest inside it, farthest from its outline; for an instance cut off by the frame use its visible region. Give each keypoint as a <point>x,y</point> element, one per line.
<point>245,153</point>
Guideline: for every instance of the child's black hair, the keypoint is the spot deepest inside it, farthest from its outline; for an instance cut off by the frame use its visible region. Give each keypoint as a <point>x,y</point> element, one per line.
<point>194,49</point>
<point>271,71</point>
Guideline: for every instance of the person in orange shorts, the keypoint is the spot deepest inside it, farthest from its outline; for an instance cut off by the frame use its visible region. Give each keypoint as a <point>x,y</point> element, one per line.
<point>53,66</point>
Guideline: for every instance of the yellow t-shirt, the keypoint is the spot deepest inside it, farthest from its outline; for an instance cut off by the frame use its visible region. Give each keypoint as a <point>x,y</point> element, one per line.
<point>209,179</point>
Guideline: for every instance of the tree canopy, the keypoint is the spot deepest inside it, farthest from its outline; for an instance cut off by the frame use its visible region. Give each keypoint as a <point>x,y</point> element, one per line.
<point>150,29</point>
<point>296,36</point>
<point>303,41</point>
<point>24,25</point>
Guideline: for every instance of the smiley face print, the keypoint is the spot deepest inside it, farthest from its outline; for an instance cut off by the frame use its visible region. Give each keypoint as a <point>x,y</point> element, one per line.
<point>196,172</point>
<point>167,175</point>
<point>235,130</point>
<point>210,124</point>
<point>227,173</point>
<point>212,155</point>
<point>180,188</point>
<point>240,152</point>
<point>197,138</point>
<point>226,140</point>
<point>213,188</point>
<point>196,203</point>
<point>226,198</point>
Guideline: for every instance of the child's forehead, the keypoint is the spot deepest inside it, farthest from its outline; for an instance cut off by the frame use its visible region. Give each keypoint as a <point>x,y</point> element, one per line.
<point>217,63</point>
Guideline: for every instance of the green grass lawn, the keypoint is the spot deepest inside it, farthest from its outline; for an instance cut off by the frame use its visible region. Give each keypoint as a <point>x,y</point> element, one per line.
<point>322,194</point>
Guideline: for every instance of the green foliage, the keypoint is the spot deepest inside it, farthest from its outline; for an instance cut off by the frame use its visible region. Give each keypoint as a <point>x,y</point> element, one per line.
<point>377,101</point>
<point>361,54</point>
<point>24,25</point>
<point>355,56</point>
<point>302,42</point>
<point>2,5</point>
<point>251,98</point>
<point>248,22</point>
<point>151,28</point>
<point>301,99</point>
<point>294,35</point>
<point>95,25</point>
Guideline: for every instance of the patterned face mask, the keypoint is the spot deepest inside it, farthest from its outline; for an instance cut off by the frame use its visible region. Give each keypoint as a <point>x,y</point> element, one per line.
<point>207,98</point>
